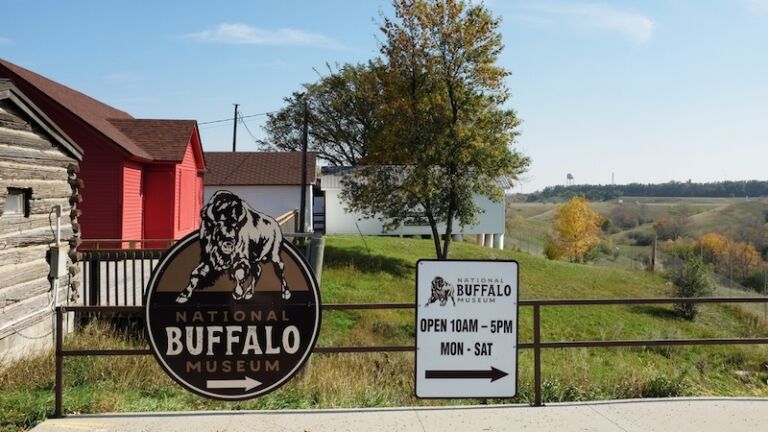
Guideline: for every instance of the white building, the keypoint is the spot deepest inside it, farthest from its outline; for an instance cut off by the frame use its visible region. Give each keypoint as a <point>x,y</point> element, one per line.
<point>269,181</point>
<point>337,220</point>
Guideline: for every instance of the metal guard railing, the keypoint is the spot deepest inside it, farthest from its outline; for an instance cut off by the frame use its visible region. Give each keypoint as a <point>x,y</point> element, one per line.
<point>536,344</point>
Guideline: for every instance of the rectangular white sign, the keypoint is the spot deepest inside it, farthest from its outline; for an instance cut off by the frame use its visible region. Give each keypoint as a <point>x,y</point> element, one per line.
<point>466,329</point>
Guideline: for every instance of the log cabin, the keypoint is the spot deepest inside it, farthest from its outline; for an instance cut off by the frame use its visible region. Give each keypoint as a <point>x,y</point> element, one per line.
<point>38,185</point>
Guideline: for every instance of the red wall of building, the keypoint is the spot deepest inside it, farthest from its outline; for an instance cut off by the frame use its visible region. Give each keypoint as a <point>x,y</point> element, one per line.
<point>133,201</point>
<point>189,194</point>
<point>100,169</point>
<point>159,184</point>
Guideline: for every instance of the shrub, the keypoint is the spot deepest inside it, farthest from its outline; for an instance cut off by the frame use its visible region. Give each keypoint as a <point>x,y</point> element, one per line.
<point>593,254</point>
<point>608,227</point>
<point>691,278</point>
<point>624,217</point>
<point>662,386</point>
<point>553,250</point>
<point>756,281</point>
<point>672,228</point>
<point>641,238</point>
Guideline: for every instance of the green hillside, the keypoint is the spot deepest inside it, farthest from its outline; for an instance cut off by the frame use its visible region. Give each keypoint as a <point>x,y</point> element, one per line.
<point>378,269</point>
<point>729,219</point>
<point>529,223</point>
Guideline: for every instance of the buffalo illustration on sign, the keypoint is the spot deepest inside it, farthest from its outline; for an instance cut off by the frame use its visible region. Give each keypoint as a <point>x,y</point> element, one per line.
<point>232,237</point>
<point>441,291</point>
<point>232,310</point>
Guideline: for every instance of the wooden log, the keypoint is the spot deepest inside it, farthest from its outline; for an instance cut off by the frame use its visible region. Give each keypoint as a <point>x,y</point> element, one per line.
<point>18,310</point>
<point>11,118</point>
<point>22,255</point>
<point>7,122</point>
<point>42,157</point>
<point>15,275</point>
<point>32,237</point>
<point>15,297</point>
<point>41,189</point>
<point>17,225</point>
<point>22,138</point>
<point>44,206</point>
<point>23,171</point>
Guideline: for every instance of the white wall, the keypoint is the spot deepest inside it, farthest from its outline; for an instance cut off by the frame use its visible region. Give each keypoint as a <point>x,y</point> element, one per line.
<point>338,221</point>
<point>272,200</point>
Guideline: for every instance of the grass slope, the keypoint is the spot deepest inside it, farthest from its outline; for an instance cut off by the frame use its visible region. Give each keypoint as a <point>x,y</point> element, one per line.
<point>729,218</point>
<point>382,270</point>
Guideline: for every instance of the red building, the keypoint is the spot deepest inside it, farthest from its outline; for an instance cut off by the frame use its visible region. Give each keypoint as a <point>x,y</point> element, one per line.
<point>143,178</point>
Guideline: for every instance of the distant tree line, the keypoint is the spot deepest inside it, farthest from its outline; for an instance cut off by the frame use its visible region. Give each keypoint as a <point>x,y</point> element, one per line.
<point>724,189</point>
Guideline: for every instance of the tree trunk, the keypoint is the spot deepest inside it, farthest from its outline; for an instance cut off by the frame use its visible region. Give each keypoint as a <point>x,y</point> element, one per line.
<point>435,233</point>
<point>448,229</point>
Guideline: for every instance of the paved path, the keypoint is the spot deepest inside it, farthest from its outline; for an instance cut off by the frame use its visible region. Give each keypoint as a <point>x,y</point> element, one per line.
<point>677,415</point>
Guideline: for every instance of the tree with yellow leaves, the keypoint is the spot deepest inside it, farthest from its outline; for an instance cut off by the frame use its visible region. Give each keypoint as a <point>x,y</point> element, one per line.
<point>727,254</point>
<point>712,248</point>
<point>744,257</point>
<point>577,228</point>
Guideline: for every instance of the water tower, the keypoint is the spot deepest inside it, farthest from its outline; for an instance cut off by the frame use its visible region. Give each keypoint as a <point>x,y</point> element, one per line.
<point>569,181</point>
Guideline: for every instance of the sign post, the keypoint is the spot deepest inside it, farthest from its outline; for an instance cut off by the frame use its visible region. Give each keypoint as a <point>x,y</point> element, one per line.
<point>466,329</point>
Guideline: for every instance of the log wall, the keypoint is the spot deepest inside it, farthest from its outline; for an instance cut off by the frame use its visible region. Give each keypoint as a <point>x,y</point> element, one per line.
<point>30,160</point>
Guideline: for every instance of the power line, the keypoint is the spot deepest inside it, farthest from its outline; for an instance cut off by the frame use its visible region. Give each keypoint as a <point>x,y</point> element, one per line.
<point>247,129</point>
<point>220,125</point>
<point>239,117</point>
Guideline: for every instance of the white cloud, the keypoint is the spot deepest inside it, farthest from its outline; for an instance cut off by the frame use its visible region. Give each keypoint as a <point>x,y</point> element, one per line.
<point>4,41</point>
<point>242,34</point>
<point>636,26</point>
<point>758,6</point>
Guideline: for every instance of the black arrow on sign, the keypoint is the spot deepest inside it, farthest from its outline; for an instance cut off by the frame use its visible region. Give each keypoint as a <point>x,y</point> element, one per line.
<point>493,374</point>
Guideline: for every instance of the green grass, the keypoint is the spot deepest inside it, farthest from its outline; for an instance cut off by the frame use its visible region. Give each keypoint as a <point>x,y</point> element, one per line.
<point>728,219</point>
<point>383,271</point>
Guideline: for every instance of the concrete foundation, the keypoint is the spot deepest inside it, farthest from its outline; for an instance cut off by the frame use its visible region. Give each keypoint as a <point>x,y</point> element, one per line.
<point>498,241</point>
<point>488,240</point>
<point>32,337</point>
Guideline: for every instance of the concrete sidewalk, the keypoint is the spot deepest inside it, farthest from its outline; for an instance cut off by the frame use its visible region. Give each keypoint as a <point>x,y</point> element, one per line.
<point>678,415</point>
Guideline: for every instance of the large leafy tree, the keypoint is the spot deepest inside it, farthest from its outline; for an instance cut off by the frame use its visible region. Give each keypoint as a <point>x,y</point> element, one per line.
<point>342,118</point>
<point>577,228</point>
<point>445,132</point>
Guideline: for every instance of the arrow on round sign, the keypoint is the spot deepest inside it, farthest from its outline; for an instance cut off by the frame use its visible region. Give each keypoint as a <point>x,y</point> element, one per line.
<point>493,374</point>
<point>246,384</point>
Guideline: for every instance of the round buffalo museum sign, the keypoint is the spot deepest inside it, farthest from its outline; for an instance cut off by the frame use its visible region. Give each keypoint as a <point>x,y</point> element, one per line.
<point>233,310</point>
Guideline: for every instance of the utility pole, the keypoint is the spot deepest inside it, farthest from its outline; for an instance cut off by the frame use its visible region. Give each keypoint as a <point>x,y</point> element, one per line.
<point>304,139</point>
<point>234,131</point>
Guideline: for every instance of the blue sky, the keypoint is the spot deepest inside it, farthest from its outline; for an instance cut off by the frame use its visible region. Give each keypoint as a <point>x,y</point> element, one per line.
<point>650,90</point>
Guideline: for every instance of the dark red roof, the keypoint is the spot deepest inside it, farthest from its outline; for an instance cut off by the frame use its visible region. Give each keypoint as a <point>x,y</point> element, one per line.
<point>164,140</point>
<point>257,168</point>
<point>145,139</point>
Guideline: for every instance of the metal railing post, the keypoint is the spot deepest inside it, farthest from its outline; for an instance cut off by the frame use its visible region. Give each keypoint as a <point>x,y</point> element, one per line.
<point>316,253</point>
<point>94,282</point>
<point>59,362</point>
<point>537,355</point>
